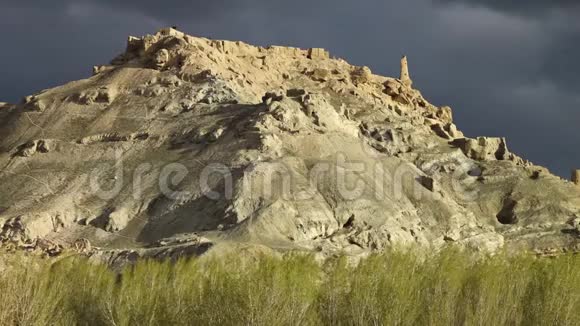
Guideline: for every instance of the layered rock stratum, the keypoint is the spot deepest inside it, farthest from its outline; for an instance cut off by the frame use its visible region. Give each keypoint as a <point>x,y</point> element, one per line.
<point>184,144</point>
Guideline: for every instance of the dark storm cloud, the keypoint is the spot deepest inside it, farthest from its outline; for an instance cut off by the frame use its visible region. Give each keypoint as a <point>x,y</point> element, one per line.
<point>47,44</point>
<point>506,69</point>
<point>528,7</point>
<point>177,10</point>
<point>562,48</point>
<point>207,10</point>
<point>561,62</point>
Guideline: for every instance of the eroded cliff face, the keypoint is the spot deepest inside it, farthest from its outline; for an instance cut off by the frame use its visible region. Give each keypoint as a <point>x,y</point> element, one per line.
<point>184,142</point>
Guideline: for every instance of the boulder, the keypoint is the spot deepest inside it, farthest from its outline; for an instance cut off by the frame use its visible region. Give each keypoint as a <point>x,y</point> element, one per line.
<point>320,74</point>
<point>180,240</point>
<point>361,75</point>
<point>117,220</point>
<point>440,131</point>
<point>35,103</point>
<point>160,59</point>
<point>403,99</point>
<point>575,224</point>
<point>99,95</point>
<point>296,92</point>
<point>48,247</point>
<point>444,114</point>
<point>453,131</point>
<point>28,149</point>
<point>216,134</point>
<point>483,148</point>
<point>35,146</point>
<point>13,231</point>
<point>100,69</point>
<point>270,97</point>
<point>168,81</point>
<point>392,87</point>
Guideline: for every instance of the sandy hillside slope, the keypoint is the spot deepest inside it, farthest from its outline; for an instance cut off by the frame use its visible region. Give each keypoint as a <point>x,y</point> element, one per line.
<point>182,144</point>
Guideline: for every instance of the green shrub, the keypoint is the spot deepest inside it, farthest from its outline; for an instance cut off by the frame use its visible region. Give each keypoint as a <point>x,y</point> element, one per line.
<point>393,288</point>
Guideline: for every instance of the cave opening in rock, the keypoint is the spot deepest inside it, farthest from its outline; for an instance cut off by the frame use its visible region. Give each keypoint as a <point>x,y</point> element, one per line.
<point>508,215</point>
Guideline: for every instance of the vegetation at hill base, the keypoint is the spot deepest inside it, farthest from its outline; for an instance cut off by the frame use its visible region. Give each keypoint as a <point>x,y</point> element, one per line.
<point>392,288</point>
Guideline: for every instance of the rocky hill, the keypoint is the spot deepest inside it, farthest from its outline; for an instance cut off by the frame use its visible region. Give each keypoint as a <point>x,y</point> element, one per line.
<point>184,144</point>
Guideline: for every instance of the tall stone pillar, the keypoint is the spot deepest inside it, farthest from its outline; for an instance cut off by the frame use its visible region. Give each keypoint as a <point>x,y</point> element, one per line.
<point>576,177</point>
<point>405,77</point>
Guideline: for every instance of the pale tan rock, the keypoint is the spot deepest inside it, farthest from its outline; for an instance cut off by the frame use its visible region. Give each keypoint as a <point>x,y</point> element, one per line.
<point>318,54</point>
<point>118,220</point>
<point>148,42</point>
<point>405,77</point>
<point>403,99</point>
<point>226,47</point>
<point>135,45</point>
<point>320,74</point>
<point>13,230</point>
<point>484,148</point>
<point>33,147</point>
<point>486,242</point>
<point>392,87</point>
<point>82,246</point>
<point>291,51</point>
<point>245,144</point>
<point>100,95</point>
<point>296,92</point>
<point>575,224</point>
<point>35,103</point>
<point>161,58</point>
<point>444,114</point>
<point>48,247</point>
<point>361,75</point>
<point>452,235</point>
<point>439,129</point>
<point>275,96</point>
<point>216,134</point>
<point>453,131</point>
<point>576,176</point>
<point>170,31</point>
<point>97,69</point>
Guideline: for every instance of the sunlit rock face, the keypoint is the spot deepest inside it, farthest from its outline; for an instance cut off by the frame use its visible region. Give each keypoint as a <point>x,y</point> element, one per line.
<point>185,144</point>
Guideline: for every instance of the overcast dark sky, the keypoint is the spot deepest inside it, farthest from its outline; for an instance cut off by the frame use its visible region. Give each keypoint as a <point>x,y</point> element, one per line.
<point>507,69</point>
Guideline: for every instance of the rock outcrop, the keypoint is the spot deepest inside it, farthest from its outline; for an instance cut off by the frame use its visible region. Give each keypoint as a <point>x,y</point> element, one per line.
<point>484,148</point>
<point>33,147</point>
<point>318,54</point>
<point>361,75</point>
<point>222,143</point>
<point>405,76</point>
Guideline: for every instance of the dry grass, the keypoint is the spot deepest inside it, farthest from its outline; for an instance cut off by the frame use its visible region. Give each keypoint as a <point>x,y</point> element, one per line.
<point>395,288</point>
